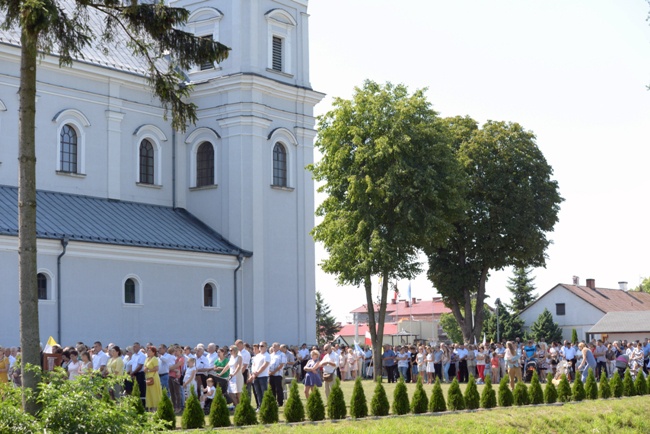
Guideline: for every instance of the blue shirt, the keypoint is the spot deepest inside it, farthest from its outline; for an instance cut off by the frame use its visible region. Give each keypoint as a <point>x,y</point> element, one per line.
<point>389,362</point>
<point>530,351</point>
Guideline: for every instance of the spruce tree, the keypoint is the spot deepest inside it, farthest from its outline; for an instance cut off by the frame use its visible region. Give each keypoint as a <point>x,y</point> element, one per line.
<point>137,401</point>
<point>604,390</point>
<point>535,392</point>
<point>326,324</point>
<point>336,402</point>
<point>293,408</point>
<point>591,387</point>
<point>268,413</point>
<point>550,392</point>
<point>522,288</point>
<point>358,404</point>
<point>437,402</point>
<point>628,384</point>
<point>193,416</point>
<point>472,398</point>
<point>455,400</point>
<point>244,412</point>
<point>520,394</point>
<point>379,404</point>
<point>545,328</point>
<point>564,390</point>
<point>616,385</point>
<point>640,386</point>
<point>219,413</point>
<point>505,394</point>
<point>574,336</point>
<point>578,392</point>
<point>488,395</point>
<point>165,412</point>
<point>400,398</point>
<point>420,401</point>
<point>315,406</point>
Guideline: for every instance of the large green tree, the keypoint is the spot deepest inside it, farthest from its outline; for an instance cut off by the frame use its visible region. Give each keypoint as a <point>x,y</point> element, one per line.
<point>63,27</point>
<point>326,324</point>
<point>510,325</point>
<point>643,286</point>
<point>512,203</point>
<point>390,178</point>
<point>545,328</point>
<point>522,288</point>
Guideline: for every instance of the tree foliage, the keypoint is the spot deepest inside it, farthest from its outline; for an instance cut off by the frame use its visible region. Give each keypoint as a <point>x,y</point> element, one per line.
<point>244,412</point>
<point>510,325</point>
<point>455,400</point>
<point>644,286</point>
<point>269,412</point>
<point>472,398</point>
<point>379,405</point>
<point>545,328</point>
<point>521,286</point>
<point>165,412</point>
<point>616,385</point>
<point>604,391</point>
<point>628,384</point>
<point>488,395</point>
<point>640,385</point>
<point>193,416</point>
<point>535,390</point>
<point>401,403</point>
<point>420,401</point>
<point>591,386</point>
<point>550,392</point>
<point>578,392</point>
<point>505,394</point>
<point>294,411</point>
<point>315,406</point>
<point>437,402</point>
<point>450,326</point>
<point>336,408</point>
<point>358,404</point>
<point>520,394</point>
<point>219,414</point>
<point>326,325</point>
<point>564,390</point>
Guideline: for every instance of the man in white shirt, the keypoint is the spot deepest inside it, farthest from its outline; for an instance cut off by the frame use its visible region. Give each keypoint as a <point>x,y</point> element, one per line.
<point>100,358</point>
<point>303,355</point>
<point>462,354</point>
<point>260,372</point>
<point>278,360</point>
<point>137,369</point>
<point>569,353</point>
<point>212,357</point>
<point>166,360</point>
<point>330,363</point>
<point>245,362</point>
<point>202,368</point>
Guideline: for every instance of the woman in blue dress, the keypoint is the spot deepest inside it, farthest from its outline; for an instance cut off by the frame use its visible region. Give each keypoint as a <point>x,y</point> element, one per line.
<point>312,376</point>
<point>588,361</point>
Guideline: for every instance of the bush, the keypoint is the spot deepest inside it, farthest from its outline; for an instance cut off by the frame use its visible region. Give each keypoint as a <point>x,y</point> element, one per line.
<point>193,416</point>
<point>269,408</point>
<point>165,412</point>
<point>520,394</point>
<point>505,394</point>
<point>293,408</point>
<point>137,403</point>
<point>640,385</point>
<point>535,392</point>
<point>578,393</point>
<point>591,387</point>
<point>358,405</point>
<point>455,400</point>
<point>628,384</point>
<point>401,398</point>
<point>437,403</point>
<point>472,398</point>
<point>420,402</point>
<point>379,404</point>
<point>315,406</point>
<point>616,384</point>
<point>244,412</point>
<point>219,413</point>
<point>488,395</point>
<point>336,402</point>
<point>14,420</point>
<point>564,390</point>
<point>604,391</point>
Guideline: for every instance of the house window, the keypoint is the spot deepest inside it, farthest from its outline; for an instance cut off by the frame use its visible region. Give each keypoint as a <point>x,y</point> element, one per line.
<point>208,295</point>
<point>279,165</point>
<point>146,162</point>
<point>205,165</point>
<point>41,283</point>
<point>130,291</point>
<point>560,309</point>
<point>277,53</point>
<point>68,156</point>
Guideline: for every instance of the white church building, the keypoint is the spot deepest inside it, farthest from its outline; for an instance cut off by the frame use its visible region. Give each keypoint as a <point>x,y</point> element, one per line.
<point>149,234</point>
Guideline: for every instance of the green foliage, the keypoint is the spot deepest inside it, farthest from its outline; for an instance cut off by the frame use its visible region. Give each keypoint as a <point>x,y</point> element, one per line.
<point>564,390</point>
<point>522,288</point>
<point>550,392</point>
<point>165,412</point>
<point>643,286</point>
<point>219,414</point>
<point>244,412</point>
<point>545,328</point>
<point>315,406</point>
<point>578,393</point>
<point>604,390</point>
<point>640,385</point>
<point>472,398</point>
<point>535,392</point>
<point>450,327</point>
<point>400,398</point>
<point>437,402</point>
<point>505,394</point>
<point>269,408</point>
<point>379,405</point>
<point>13,420</point>
<point>420,402</point>
<point>358,405</point>
<point>616,384</point>
<point>591,387</point>
<point>455,400</point>
<point>520,394</point>
<point>574,336</point>
<point>326,324</point>
<point>138,405</point>
<point>510,325</point>
<point>193,416</point>
<point>628,384</point>
<point>488,395</point>
<point>336,408</point>
<point>293,408</point>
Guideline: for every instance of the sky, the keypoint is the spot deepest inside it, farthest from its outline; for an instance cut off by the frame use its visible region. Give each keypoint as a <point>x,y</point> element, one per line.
<point>575,73</point>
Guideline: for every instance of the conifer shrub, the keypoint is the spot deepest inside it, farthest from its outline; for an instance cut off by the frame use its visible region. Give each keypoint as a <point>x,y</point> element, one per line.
<point>244,412</point>
<point>379,404</point>
<point>137,403</point>
<point>535,392</point>
<point>640,386</point>
<point>578,392</point>
<point>165,412</point>
<point>564,390</point>
<point>550,392</point>
<point>336,402</point>
<point>401,398</point>
<point>455,400</point>
<point>193,416</point>
<point>420,401</point>
<point>219,414</point>
<point>591,387</point>
<point>648,384</point>
<point>437,402</point>
<point>505,394</point>
<point>616,385</point>
<point>358,404</point>
<point>268,413</point>
<point>604,390</point>
<point>520,394</point>
<point>488,395</point>
<point>315,406</point>
<point>294,411</point>
<point>472,398</point>
<point>628,384</point>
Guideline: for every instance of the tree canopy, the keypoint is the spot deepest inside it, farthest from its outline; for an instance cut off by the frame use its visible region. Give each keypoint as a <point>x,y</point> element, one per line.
<point>522,288</point>
<point>326,324</point>
<point>644,286</point>
<point>545,328</point>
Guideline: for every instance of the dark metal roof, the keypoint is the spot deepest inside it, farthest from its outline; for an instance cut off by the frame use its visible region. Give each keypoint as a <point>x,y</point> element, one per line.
<point>108,221</point>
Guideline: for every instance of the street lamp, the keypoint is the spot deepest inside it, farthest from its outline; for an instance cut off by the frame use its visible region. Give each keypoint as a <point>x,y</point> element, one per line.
<point>497,302</point>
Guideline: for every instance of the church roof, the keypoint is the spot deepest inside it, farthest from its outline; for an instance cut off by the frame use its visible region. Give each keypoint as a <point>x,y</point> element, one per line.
<point>108,221</point>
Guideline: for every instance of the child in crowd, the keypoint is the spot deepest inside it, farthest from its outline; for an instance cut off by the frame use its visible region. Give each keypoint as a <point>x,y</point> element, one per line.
<point>494,364</point>
<point>208,395</point>
<point>189,379</point>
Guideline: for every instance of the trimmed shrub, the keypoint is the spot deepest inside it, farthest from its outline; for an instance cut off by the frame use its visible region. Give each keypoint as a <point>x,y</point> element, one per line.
<point>137,403</point>
<point>520,394</point>
<point>193,416</point>
<point>455,400</point>
<point>358,404</point>
<point>219,413</point>
<point>535,392</point>
<point>604,391</point>
<point>564,390</point>
<point>420,402</point>
<point>244,412</point>
<point>401,398</point>
<point>488,395</point>
<point>472,398</point>
<point>315,406</point>
<point>379,405</point>
<point>640,385</point>
<point>628,384</point>
<point>505,394</point>
<point>165,412</point>
<point>591,387</point>
<point>574,337</point>
<point>336,402</point>
<point>648,388</point>
<point>294,411</point>
<point>578,393</point>
<point>550,392</point>
<point>14,420</point>
<point>268,413</point>
<point>437,402</point>
<point>616,384</point>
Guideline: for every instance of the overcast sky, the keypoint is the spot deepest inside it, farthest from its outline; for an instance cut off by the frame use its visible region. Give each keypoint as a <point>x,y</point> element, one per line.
<point>573,72</point>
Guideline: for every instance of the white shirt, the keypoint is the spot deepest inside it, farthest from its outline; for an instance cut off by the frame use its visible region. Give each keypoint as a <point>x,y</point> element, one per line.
<point>100,359</point>
<point>462,353</point>
<point>332,357</point>
<point>201,363</point>
<point>245,359</point>
<point>137,359</point>
<point>12,361</point>
<point>402,360</point>
<point>211,359</point>
<point>303,353</point>
<point>569,353</point>
<point>166,360</point>
<point>278,360</point>
<point>258,361</point>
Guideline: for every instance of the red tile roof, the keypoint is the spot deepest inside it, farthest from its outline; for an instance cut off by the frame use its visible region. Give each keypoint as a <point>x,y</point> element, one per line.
<point>421,307</point>
<point>349,329</point>
<point>611,300</point>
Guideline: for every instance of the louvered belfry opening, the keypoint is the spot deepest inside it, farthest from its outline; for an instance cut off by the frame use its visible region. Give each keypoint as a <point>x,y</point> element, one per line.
<point>277,53</point>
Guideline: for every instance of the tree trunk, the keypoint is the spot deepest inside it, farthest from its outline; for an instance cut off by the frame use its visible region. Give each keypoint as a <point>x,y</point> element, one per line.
<point>29,326</point>
<point>376,327</point>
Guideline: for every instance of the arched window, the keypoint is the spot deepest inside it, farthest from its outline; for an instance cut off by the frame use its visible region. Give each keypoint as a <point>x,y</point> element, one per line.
<point>41,283</point>
<point>208,295</point>
<point>205,165</point>
<point>130,291</point>
<point>146,162</point>
<point>68,156</point>
<point>279,165</point>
